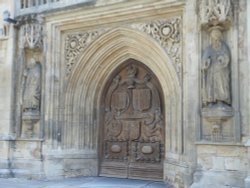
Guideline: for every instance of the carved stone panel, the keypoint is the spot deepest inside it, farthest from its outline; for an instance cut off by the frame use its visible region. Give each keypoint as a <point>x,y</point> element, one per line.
<point>133,127</point>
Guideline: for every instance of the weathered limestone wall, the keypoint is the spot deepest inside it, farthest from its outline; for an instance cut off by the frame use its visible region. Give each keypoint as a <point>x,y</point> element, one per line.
<point>7,46</point>
<point>221,166</point>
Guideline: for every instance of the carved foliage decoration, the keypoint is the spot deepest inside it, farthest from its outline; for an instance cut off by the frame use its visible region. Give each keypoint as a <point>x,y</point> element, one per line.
<point>77,43</point>
<point>168,34</point>
<point>165,32</point>
<point>215,11</point>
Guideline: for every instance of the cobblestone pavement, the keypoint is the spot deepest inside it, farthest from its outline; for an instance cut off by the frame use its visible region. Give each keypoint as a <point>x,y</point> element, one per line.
<point>81,182</point>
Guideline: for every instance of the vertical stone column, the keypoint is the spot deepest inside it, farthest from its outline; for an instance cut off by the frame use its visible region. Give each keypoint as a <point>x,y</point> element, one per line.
<point>247,180</point>
<point>7,48</point>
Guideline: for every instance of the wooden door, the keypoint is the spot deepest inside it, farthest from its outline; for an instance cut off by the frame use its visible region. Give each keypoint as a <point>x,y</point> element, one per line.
<point>132,141</point>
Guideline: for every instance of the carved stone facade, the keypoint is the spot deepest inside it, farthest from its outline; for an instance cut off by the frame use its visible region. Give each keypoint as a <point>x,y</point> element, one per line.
<point>135,89</point>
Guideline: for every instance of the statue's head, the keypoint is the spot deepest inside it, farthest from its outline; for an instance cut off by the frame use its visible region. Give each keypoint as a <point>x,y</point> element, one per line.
<point>32,62</point>
<point>216,37</point>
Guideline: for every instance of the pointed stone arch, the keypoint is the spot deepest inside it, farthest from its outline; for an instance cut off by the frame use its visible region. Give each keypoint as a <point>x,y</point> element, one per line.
<point>91,73</point>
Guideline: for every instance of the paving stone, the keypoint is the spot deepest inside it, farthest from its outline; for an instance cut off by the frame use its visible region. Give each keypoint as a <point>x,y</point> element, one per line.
<point>83,182</point>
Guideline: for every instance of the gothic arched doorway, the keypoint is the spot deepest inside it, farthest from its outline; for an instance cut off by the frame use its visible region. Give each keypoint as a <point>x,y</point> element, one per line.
<point>132,124</point>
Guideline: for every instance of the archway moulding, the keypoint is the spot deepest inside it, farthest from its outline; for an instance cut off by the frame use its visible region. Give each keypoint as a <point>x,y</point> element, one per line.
<point>102,57</point>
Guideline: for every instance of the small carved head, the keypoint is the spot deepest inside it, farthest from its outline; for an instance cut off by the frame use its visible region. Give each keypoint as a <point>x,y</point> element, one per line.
<point>132,71</point>
<point>216,37</point>
<point>31,63</point>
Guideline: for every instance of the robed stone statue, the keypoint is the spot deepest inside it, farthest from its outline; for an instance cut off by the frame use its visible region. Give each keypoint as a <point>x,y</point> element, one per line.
<point>216,71</point>
<point>32,87</point>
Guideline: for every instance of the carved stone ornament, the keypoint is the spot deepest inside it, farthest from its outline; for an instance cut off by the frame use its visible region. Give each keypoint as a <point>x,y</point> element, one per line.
<point>215,12</point>
<point>167,33</point>
<point>76,44</point>
<point>31,32</point>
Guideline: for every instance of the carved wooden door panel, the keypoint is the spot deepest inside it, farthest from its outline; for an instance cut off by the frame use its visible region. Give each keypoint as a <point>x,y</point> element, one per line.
<point>133,125</point>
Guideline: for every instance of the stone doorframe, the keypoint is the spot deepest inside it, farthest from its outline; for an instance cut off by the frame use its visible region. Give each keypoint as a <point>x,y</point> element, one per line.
<point>73,101</point>
<point>89,76</point>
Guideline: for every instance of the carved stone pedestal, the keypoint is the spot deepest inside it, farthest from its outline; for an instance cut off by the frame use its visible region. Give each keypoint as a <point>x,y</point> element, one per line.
<point>216,115</point>
<point>28,124</point>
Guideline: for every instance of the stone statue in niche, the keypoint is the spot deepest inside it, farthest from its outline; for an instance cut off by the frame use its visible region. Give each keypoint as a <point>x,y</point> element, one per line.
<point>32,87</point>
<point>31,99</point>
<point>216,71</point>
